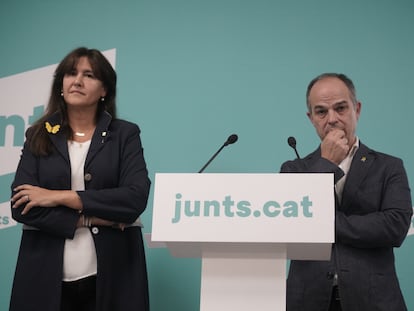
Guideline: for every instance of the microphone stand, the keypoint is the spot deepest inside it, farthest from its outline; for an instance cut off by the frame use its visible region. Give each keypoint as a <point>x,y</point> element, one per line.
<point>212,158</point>
<point>230,140</point>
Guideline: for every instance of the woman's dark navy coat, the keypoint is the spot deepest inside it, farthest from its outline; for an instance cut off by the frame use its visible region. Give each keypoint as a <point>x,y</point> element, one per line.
<point>116,188</point>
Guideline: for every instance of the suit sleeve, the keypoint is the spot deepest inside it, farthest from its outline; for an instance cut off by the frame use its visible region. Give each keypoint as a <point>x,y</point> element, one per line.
<point>125,199</point>
<point>321,165</point>
<point>60,221</point>
<point>379,211</point>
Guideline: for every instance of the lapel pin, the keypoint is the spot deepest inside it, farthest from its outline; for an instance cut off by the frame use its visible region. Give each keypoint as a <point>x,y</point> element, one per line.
<point>363,159</point>
<point>103,134</point>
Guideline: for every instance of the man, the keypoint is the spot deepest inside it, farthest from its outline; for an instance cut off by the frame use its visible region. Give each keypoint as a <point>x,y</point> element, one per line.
<point>373,210</point>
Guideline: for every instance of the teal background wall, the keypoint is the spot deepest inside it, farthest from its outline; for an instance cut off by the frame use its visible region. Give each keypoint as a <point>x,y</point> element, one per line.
<point>193,72</point>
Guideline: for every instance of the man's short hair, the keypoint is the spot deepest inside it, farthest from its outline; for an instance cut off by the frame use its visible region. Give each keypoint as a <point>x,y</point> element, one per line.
<point>348,82</point>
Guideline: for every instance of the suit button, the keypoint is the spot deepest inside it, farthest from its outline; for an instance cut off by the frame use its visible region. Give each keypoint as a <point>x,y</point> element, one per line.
<point>95,230</point>
<point>330,275</point>
<point>87,177</point>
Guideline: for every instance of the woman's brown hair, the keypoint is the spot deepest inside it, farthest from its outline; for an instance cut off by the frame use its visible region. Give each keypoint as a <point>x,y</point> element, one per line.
<point>37,137</point>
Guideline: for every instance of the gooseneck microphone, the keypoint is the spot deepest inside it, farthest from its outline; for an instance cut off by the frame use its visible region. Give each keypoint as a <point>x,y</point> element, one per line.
<point>292,143</point>
<point>230,140</point>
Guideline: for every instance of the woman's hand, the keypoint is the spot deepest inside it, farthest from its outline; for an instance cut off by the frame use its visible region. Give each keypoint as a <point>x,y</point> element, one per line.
<point>36,196</point>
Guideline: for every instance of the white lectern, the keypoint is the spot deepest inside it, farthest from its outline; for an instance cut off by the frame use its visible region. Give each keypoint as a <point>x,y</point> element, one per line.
<point>244,227</point>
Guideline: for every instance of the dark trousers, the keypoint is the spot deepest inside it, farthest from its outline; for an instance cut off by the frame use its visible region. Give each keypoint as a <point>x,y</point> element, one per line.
<point>335,300</point>
<point>79,295</point>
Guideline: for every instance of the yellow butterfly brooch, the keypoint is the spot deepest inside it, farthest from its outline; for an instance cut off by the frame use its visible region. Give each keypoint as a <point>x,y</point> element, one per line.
<point>52,129</point>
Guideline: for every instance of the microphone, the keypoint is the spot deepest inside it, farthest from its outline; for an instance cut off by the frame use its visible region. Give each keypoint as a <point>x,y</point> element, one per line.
<point>292,143</point>
<point>230,140</point>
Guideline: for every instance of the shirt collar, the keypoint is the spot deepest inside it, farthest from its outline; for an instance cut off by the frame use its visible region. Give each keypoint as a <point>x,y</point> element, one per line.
<point>354,148</point>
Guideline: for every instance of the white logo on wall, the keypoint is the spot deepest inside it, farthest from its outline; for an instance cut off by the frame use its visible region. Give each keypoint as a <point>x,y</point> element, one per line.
<point>23,98</point>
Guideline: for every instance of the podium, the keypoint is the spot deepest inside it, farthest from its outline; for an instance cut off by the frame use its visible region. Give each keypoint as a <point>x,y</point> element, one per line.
<point>244,227</point>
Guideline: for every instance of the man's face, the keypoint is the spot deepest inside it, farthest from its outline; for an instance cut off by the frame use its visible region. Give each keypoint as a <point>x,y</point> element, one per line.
<point>331,107</point>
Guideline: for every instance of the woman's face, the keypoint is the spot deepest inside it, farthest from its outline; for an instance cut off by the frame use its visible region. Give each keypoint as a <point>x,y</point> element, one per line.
<point>81,89</point>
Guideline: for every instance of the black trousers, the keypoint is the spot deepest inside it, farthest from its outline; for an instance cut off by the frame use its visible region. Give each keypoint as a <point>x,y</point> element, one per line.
<point>79,295</point>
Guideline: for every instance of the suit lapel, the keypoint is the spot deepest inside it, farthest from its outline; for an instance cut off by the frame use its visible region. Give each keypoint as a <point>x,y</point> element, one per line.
<point>100,136</point>
<point>363,159</point>
<point>58,138</point>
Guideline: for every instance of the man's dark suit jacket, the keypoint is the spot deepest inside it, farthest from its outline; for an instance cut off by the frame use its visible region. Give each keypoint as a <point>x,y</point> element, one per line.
<point>373,218</point>
<point>116,189</point>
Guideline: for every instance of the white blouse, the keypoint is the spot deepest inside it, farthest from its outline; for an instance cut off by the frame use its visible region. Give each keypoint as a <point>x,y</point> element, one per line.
<point>79,258</point>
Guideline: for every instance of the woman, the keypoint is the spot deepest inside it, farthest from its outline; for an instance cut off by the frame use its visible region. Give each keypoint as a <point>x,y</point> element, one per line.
<point>79,189</point>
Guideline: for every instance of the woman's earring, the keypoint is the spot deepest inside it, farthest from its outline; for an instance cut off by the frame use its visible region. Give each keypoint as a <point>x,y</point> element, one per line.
<point>102,99</point>
<point>61,93</point>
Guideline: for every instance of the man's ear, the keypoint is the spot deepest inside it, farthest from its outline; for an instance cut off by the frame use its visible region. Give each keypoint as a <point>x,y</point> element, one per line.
<point>309,116</point>
<point>358,107</point>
